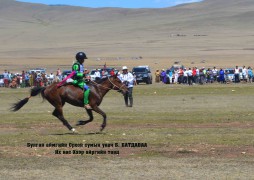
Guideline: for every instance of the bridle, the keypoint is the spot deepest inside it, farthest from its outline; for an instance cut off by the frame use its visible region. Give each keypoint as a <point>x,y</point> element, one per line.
<point>113,88</point>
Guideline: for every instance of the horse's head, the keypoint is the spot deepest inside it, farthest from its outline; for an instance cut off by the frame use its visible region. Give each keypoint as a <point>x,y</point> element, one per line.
<point>117,84</point>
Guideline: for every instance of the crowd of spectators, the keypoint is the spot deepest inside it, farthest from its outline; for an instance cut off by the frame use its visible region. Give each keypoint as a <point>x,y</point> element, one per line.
<point>188,76</point>
<point>201,76</point>
<point>40,78</point>
<point>28,79</point>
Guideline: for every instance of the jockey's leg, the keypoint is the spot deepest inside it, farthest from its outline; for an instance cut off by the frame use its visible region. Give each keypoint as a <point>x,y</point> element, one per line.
<point>86,97</point>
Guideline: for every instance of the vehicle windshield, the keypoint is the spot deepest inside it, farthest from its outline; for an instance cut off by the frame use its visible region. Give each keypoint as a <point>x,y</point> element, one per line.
<point>167,71</point>
<point>230,71</point>
<point>142,70</point>
<point>66,72</point>
<point>92,72</point>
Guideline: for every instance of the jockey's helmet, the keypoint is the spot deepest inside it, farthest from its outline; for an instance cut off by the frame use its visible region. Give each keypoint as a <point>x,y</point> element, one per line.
<point>81,56</point>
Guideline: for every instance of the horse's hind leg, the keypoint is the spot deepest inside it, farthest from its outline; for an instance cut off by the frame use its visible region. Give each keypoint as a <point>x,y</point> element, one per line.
<point>90,113</point>
<point>58,112</point>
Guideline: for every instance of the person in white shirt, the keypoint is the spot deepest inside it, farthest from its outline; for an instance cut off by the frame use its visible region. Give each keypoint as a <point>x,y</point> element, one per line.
<point>215,73</point>
<point>97,74</point>
<point>176,77</point>
<point>245,74</point>
<point>237,74</point>
<point>185,76</point>
<point>190,76</point>
<point>128,79</point>
<point>51,78</point>
<point>197,75</point>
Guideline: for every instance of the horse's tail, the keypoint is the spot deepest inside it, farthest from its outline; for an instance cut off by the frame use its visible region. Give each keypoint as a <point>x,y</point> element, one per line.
<point>34,92</point>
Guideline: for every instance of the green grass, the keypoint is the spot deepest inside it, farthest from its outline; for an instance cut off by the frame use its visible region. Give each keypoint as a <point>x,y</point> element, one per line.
<point>173,116</point>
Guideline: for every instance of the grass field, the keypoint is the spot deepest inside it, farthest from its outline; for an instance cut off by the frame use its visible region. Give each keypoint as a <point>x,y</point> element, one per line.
<point>198,132</point>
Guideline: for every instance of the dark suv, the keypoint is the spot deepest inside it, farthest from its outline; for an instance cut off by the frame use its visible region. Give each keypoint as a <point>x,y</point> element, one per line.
<point>143,74</point>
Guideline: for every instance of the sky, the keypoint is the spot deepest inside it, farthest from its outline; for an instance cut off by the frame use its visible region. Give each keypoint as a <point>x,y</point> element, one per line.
<point>114,3</point>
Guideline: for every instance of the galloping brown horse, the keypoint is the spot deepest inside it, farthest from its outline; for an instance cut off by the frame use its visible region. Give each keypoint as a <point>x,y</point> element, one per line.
<point>71,94</point>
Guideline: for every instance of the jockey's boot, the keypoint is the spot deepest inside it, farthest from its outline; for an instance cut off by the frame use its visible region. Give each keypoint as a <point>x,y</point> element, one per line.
<point>87,106</point>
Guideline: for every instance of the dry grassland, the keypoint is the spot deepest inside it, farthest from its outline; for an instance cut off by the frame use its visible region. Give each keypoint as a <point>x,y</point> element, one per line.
<point>199,132</point>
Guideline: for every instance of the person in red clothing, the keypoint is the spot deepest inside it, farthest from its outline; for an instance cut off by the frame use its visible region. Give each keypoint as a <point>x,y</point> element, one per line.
<point>112,72</point>
<point>180,78</point>
<point>194,74</point>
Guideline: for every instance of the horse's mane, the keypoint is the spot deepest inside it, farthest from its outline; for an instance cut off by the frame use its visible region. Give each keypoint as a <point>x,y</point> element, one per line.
<point>99,81</point>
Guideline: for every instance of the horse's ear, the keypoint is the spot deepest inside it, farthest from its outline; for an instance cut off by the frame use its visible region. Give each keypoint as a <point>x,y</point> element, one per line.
<point>116,74</point>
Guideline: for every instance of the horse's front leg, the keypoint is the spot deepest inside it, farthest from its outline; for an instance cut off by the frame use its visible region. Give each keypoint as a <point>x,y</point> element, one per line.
<point>90,113</point>
<point>99,111</point>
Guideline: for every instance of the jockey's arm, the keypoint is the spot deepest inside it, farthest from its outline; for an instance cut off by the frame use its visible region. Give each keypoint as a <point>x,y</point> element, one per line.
<point>78,73</point>
<point>86,72</point>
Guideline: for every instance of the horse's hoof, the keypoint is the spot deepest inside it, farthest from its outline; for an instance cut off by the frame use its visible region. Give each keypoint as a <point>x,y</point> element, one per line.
<point>102,127</point>
<point>74,131</point>
<point>79,123</point>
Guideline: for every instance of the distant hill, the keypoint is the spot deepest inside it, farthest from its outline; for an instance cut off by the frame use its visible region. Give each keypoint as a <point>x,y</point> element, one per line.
<point>35,29</point>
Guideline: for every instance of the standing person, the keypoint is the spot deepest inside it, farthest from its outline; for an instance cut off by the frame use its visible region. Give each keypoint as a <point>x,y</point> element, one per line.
<point>27,79</point>
<point>6,78</point>
<point>112,72</point>
<point>180,75</point>
<point>59,74</point>
<point>190,76</point>
<point>245,74</point>
<point>209,75</point>
<point>97,74</point>
<point>250,74</point>
<point>163,76</point>
<point>127,78</point>
<point>134,79</point>
<point>194,75</point>
<point>34,78</point>
<point>197,75</point>
<point>185,76</point>
<point>237,74</point>
<point>78,69</point>
<point>31,79</point>
<point>170,75</point>
<point>51,78</point>
<point>214,73</point>
<point>176,75</point>
<point>201,76</point>
<point>157,76</point>
<point>222,76</point>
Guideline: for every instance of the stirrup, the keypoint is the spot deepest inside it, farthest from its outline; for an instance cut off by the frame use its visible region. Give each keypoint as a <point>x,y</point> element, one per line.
<point>87,106</point>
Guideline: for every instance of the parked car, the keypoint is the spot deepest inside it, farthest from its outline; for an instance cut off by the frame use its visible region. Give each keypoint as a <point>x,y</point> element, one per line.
<point>65,73</point>
<point>229,74</point>
<point>107,72</point>
<point>92,73</point>
<point>38,70</point>
<point>240,73</point>
<point>176,67</point>
<point>1,80</point>
<point>143,74</point>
